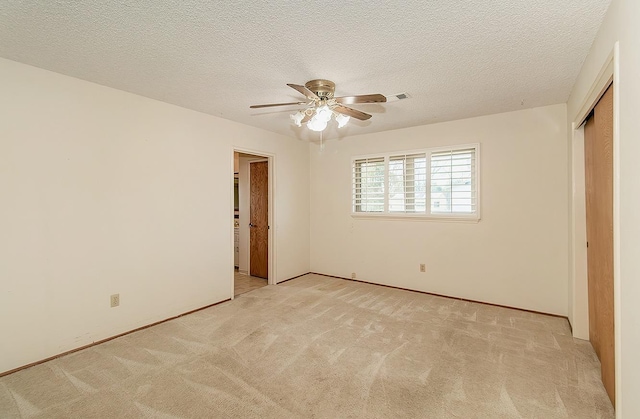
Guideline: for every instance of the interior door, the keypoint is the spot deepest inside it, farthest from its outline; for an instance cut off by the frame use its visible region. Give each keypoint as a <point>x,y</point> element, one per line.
<point>259,220</point>
<point>598,137</point>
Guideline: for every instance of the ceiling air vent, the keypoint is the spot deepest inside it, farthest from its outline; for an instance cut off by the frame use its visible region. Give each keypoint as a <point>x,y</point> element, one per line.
<point>398,96</point>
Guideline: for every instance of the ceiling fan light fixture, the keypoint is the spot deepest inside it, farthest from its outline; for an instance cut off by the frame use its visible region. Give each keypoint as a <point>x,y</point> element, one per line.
<point>342,120</point>
<point>323,113</point>
<point>317,124</point>
<point>297,118</point>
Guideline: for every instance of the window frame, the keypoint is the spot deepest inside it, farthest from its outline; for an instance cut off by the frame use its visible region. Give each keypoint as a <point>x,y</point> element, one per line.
<point>427,215</point>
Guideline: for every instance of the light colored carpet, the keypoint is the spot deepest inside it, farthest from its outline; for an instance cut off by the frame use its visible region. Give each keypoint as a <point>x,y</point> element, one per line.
<point>243,283</point>
<point>319,347</point>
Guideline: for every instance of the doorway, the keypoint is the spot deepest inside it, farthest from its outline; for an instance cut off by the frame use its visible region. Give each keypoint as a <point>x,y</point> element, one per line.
<point>598,152</point>
<point>253,237</point>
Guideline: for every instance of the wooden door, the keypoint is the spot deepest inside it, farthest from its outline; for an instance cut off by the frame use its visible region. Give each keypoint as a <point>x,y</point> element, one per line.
<point>598,139</point>
<point>259,220</point>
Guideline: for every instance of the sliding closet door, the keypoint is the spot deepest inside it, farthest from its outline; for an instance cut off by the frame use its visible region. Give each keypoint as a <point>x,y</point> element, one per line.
<point>599,204</point>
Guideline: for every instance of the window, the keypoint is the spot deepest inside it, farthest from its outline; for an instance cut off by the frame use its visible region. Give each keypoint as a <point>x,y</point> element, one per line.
<point>368,185</point>
<point>408,183</point>
<point>433,183</point>
<point>453,189</point>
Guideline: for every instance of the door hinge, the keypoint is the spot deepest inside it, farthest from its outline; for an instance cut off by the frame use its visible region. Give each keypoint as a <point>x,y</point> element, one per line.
<point>587,244</point>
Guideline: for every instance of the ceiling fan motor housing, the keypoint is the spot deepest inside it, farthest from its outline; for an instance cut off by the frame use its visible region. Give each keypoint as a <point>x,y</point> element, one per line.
<point>323,88</point>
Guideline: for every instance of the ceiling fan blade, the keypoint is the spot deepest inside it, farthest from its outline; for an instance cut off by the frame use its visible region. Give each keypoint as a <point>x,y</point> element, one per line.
<point>349,100</point>
<point>302,89</point>
<point>352,112</point>
<point>277,104</point>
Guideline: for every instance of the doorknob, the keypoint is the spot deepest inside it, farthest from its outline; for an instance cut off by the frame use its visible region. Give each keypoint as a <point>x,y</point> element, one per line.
<point>251,225</point>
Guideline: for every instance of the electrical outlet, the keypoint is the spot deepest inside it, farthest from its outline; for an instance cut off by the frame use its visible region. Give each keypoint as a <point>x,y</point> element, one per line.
<point>353,275</point>
<point>115,300</point>
<point>423,267</point>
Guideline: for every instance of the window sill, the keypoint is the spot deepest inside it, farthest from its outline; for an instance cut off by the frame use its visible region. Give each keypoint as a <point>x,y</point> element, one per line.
<point>457,218</point>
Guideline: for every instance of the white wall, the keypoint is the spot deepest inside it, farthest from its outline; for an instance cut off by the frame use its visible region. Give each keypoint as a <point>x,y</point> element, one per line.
<point>622,24</point>
<point>107,192</point>
<point>516,255</point>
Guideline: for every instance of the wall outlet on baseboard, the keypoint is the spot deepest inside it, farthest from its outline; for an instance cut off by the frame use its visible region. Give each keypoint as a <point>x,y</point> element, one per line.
<point>423,267</point>
<point>353,275</point>
<point>115,300</point>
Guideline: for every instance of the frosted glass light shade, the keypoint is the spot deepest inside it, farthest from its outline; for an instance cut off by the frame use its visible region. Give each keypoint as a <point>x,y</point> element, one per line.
<point>342,120</point>
<point>324,113</point>
<point>316,124</point>
<point>297,118</point>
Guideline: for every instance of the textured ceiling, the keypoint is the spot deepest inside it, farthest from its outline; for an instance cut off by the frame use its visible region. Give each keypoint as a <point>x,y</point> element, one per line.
<point>455,58</point>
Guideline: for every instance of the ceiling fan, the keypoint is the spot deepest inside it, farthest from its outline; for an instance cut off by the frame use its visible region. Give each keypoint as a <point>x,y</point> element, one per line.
<point>322,105</point>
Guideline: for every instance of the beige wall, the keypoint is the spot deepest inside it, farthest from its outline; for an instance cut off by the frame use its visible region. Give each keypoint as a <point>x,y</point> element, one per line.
<point>106,192</point>
<point>622,24</point>
<point>516,255</point>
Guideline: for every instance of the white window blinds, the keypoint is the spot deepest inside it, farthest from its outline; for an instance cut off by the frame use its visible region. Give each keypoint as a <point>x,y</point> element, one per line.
<point>427,183</point>
<point>408,183</point>
<point>453,182</point>
<point>369,185</point>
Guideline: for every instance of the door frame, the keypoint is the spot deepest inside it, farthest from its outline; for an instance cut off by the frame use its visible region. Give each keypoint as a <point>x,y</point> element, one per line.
<point>271,159</point>
<point>578,280</point>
